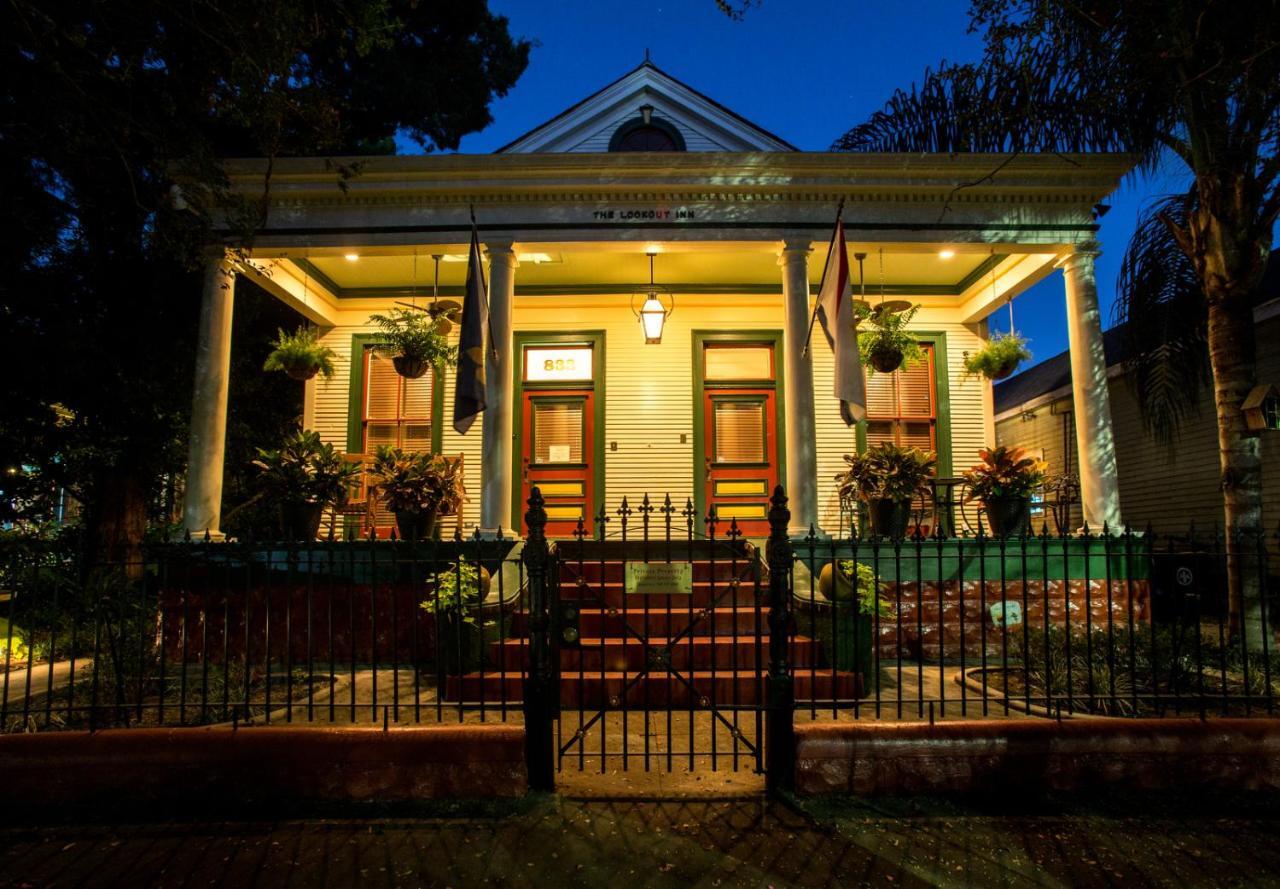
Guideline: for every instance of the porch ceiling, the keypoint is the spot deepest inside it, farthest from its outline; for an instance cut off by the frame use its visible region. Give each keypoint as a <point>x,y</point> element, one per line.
<point>917,270</point>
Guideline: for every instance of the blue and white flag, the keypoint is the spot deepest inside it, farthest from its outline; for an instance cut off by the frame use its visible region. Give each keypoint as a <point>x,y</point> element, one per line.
<point>468,391</point>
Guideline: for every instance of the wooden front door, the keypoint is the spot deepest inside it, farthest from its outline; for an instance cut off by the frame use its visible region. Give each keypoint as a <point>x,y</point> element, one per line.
<point>740,432</point>
<point>558,445</point>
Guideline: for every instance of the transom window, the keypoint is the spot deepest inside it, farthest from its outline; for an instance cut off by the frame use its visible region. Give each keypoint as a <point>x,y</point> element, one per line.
<point>902,407</point>
<point>396,411</point>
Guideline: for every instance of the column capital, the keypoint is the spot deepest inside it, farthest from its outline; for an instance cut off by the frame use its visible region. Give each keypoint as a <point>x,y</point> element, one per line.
<point>503,251</point>
<point>794,250</point>
<point>1083,253</point>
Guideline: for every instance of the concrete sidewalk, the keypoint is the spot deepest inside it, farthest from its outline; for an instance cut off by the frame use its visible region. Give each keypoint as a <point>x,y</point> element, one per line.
<point>555,842</point>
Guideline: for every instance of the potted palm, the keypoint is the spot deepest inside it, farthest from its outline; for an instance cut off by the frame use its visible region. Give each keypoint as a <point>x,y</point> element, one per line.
<point>455,600</point>
<point>999,357</point>
<point>416,487</point>
<point>304,476</point>
<point>887,478</point>
<point>1004,481</point>
<point>887,345</point>
<point>300,354</point>
<point>413,342</point>
<point>855,594</point>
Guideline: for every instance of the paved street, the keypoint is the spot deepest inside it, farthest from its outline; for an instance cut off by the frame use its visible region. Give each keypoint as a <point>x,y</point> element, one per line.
<point>678,842</point>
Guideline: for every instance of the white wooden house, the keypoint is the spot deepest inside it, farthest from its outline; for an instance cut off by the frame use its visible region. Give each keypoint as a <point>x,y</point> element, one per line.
<point>727,403</point>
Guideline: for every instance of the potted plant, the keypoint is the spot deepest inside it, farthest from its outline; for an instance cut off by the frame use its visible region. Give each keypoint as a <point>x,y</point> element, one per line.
<point>416,487</point>
<point>887,345</point>
<point>887,478</point>
<point>1004,481</point>
<point>455,599</point>
<point>300,354</point>
<point>304,476</point>
<point>855,594</point>
<point>412,341</point>
<point>999,357</point>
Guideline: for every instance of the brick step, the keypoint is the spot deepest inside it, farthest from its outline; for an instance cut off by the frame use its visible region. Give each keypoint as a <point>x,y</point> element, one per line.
<point>599,622</point>
<point>726,652</point>
<point>612,596</point>
<point>660,690</point>
<point>615,571</point>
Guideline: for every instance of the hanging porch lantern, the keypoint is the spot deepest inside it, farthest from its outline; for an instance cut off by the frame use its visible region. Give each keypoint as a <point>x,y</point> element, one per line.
<point>653,314</point>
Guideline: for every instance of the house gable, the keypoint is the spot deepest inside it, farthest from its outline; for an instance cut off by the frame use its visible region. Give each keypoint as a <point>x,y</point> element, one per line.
<point>701,123</point>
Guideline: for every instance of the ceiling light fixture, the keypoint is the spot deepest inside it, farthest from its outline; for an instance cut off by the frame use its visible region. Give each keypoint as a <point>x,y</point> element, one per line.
<point>946,253</point>
<point>351,257</point>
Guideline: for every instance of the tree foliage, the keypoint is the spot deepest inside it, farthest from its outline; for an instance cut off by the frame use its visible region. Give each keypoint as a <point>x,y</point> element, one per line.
<point>116,118</point>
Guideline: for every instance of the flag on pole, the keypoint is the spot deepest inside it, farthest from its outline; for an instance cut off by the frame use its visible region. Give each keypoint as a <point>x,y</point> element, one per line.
<point>468,390</point>
<point>835,311</point>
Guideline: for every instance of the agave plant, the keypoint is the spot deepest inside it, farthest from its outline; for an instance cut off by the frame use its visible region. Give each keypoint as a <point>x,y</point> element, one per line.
<point>300,354</point>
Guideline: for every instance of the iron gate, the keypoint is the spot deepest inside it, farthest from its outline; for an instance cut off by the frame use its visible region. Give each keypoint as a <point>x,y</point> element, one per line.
<point>656,644</point>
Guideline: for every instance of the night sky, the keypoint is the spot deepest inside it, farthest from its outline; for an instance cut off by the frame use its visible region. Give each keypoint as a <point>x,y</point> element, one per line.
<point>806,71</point>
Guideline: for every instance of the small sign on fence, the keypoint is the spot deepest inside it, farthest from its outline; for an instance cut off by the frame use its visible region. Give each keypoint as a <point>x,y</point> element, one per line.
<point>660,578</point>
<point>1008,614</point>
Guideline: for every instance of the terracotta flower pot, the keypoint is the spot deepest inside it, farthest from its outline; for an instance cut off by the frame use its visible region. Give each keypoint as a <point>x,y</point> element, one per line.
<point>410,368</point>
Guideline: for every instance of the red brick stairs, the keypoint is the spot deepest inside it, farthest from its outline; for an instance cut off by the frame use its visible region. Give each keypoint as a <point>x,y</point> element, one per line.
<point>704,648</point>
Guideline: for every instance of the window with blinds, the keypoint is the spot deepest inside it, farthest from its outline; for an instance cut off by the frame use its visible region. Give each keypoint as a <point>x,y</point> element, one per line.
<point>902,406</point>
<point>397,412</point>
<point>739,431</point>
<point>557,432</point>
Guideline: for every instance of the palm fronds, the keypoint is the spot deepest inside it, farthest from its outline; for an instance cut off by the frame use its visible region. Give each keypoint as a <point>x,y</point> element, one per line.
<point>1164,313</point>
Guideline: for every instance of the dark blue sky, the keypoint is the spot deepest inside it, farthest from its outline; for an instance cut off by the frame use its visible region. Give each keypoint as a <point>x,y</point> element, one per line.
<point>807,71</point>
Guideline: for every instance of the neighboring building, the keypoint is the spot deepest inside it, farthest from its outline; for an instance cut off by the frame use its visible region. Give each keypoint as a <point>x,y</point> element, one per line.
<point>1164,485</point>
<point>727,403</point>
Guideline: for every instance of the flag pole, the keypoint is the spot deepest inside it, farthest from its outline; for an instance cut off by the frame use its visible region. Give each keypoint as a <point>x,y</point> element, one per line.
<point>488,316</point>
<point>814,316</point>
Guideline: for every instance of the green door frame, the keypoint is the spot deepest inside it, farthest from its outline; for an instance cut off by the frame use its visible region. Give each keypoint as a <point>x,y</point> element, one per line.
<point>521,339</point>
<point>700,387</point>
<point>942,387</point>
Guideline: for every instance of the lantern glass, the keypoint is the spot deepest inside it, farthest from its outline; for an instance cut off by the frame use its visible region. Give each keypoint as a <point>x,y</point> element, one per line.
<point>652,317</point>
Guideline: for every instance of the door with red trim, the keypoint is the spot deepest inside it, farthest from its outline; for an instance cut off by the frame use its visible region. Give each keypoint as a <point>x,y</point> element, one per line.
<point>558,446</point>
<point>741,465</point>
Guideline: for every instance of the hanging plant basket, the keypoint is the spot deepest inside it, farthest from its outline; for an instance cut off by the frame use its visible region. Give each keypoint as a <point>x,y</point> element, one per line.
<point>410,368</point>
<point>300,355</point>
<point>886,360</point>
<point>999,358</point>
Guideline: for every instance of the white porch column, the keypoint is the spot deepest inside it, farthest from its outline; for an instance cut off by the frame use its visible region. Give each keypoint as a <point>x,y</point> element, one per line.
<point>1095,443</point>
<point>202,506</point>
<point>802,449</point>
<point>495,466</point>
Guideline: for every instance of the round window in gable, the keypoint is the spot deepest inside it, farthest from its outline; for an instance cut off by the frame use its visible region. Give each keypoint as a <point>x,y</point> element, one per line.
<point>656,135</point>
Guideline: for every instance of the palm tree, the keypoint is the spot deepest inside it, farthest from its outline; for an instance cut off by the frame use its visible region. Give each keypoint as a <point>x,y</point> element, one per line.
<point>1198,81</point>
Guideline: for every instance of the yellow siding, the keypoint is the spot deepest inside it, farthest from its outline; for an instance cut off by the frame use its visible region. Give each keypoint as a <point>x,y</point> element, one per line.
<point>649,391</point>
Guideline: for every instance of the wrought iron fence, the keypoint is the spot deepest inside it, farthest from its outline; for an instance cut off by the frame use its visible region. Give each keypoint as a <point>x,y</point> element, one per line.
<point>200,633</point>
<point>1045,624</point>
<point>658,615</point>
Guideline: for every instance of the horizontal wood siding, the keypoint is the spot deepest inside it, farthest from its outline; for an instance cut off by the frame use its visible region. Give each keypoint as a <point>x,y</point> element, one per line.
<point>1166,486</point>
<point>649,390</point>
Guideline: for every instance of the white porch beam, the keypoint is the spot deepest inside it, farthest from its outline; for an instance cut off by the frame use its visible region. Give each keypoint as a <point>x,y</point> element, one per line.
<point>802,448</point>
<point>1013,276</point>
<point>1095,441</point>
<point>202,507</point>
<point>499,390</point>
<point>285,281</point>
